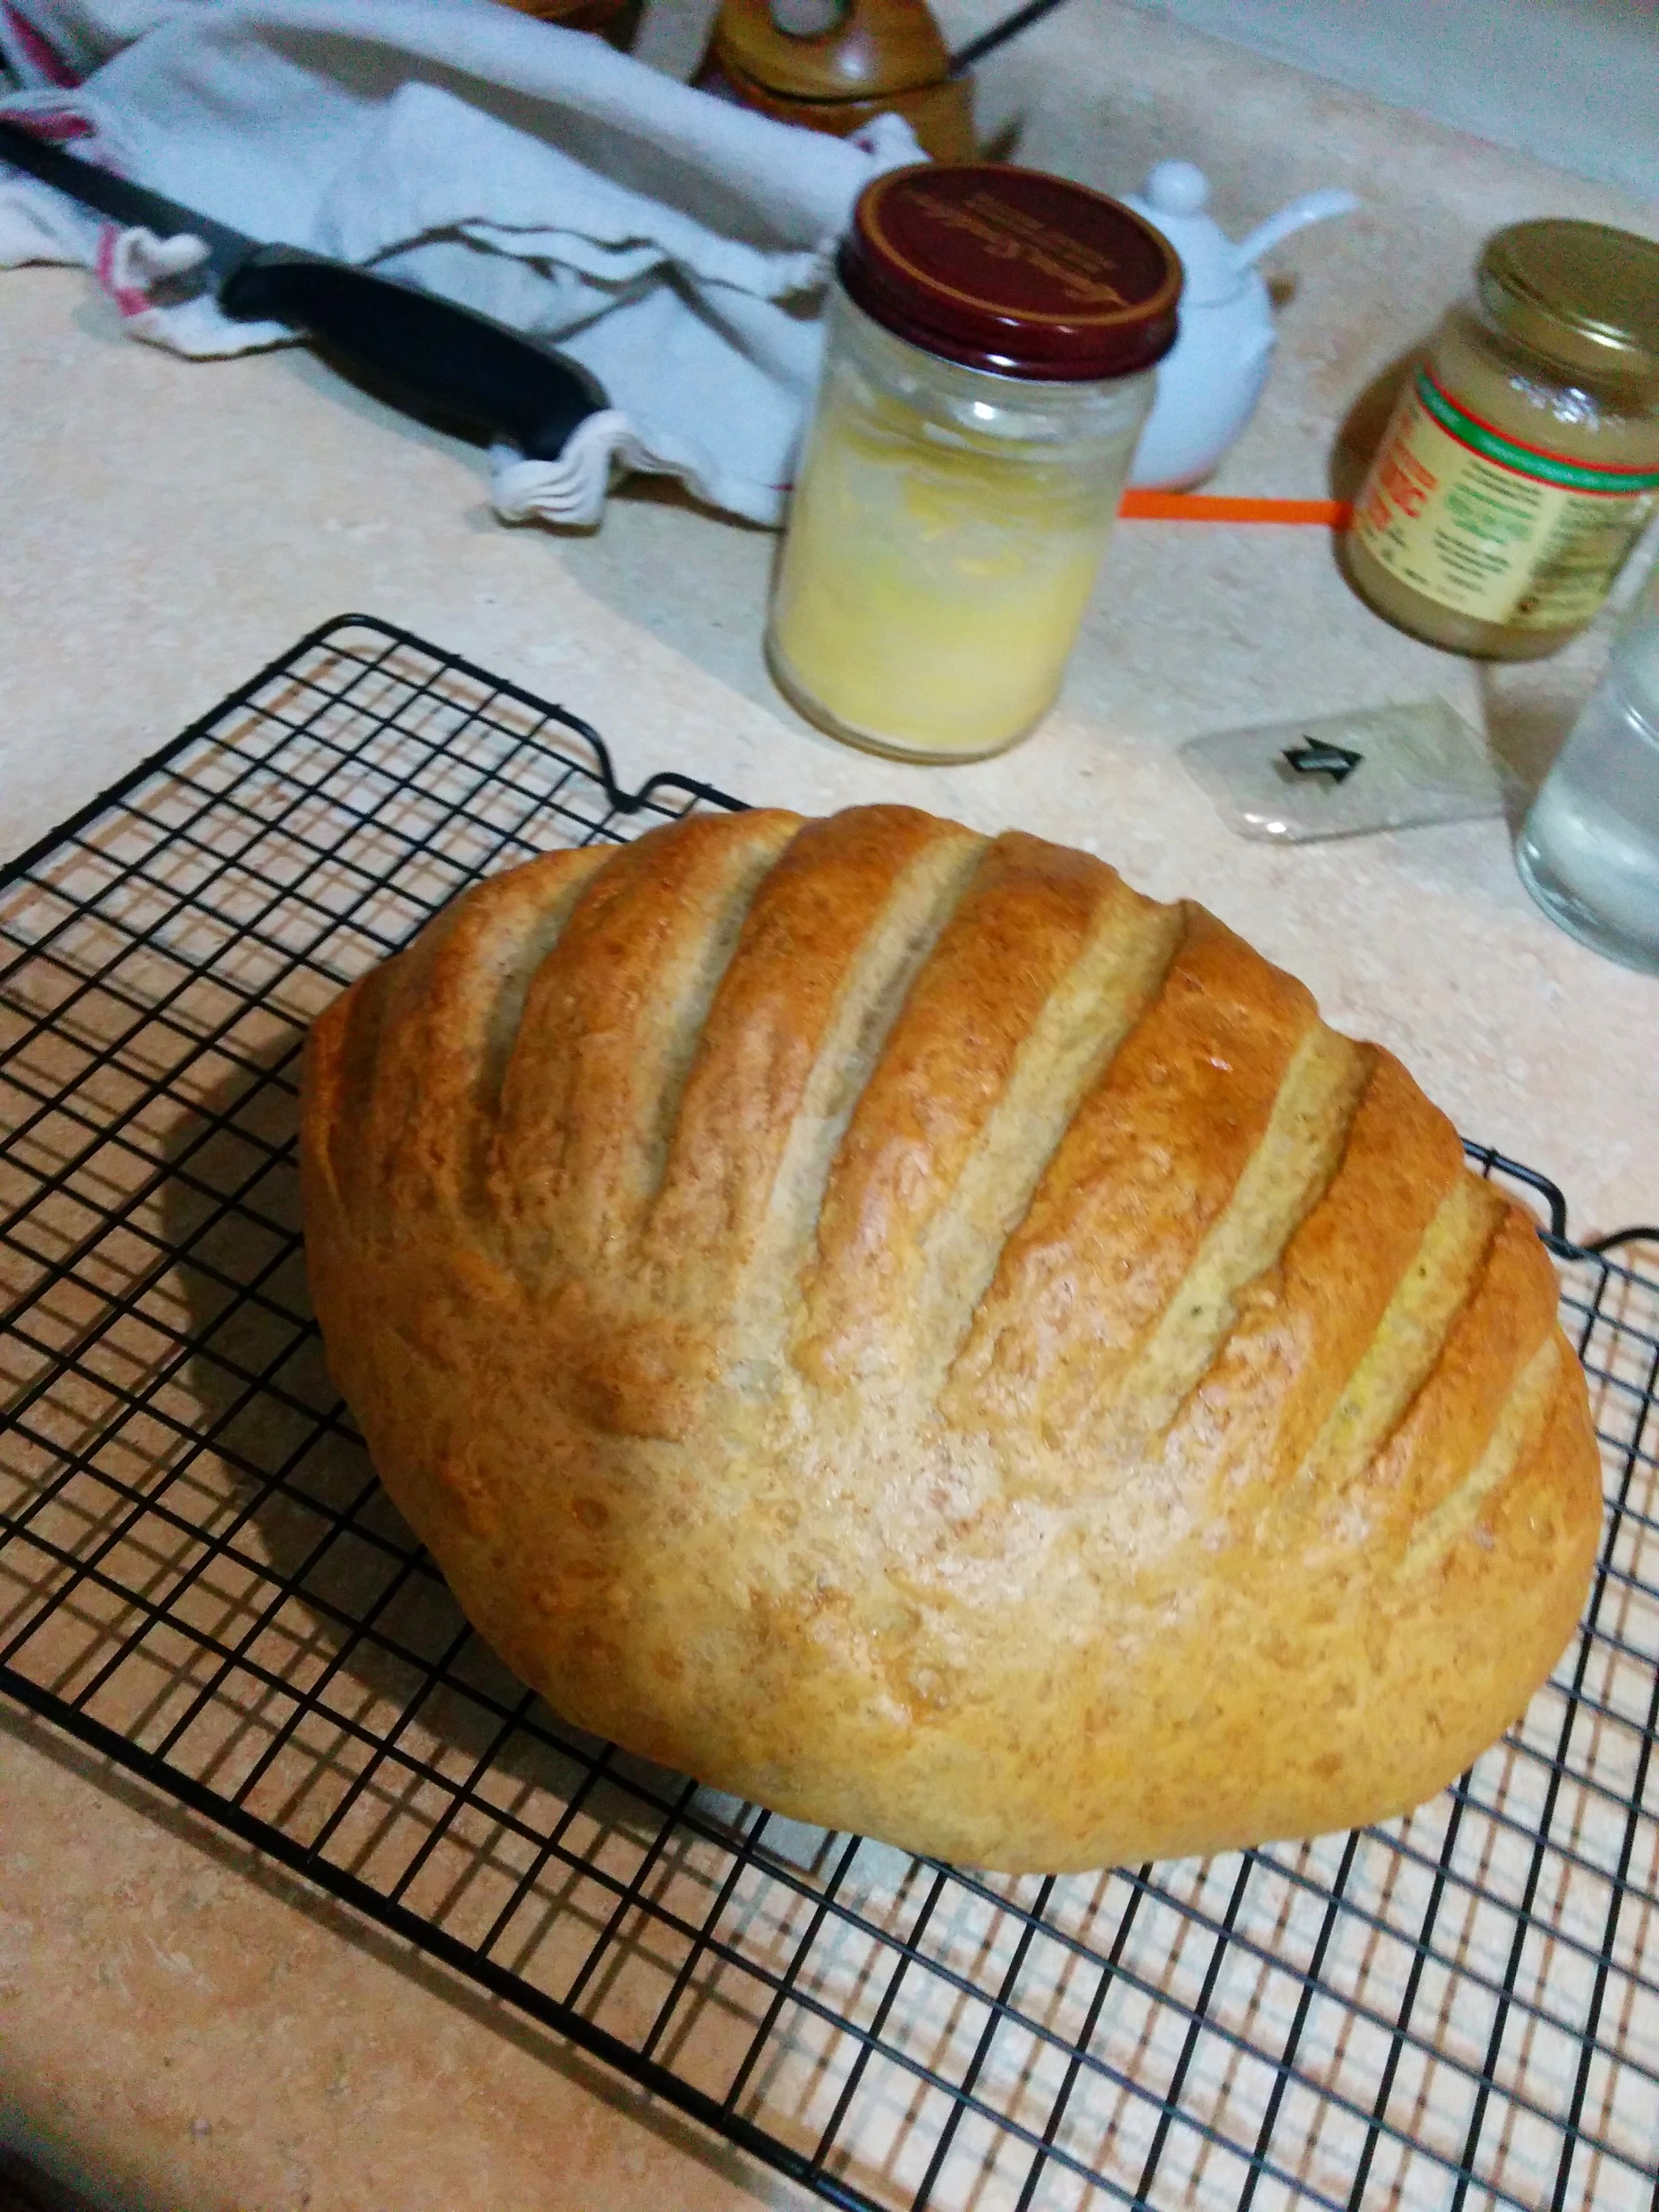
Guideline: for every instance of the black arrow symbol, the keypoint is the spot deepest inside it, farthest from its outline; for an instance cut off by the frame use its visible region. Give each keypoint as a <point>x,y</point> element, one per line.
<point>1314,757</point>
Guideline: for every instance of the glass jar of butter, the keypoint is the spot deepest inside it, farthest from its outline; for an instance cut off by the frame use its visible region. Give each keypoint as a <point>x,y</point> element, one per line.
<point>987,368</point>
<point>1523,460</point>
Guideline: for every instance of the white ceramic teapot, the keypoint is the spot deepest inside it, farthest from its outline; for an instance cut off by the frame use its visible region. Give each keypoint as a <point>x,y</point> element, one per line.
<point>1208,384</point>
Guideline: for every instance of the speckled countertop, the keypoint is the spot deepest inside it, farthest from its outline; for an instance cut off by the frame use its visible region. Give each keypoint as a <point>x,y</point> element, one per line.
<point>182,2028</point>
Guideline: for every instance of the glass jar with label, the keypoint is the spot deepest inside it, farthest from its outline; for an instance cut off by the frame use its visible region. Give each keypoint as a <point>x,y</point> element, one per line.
<point>988,366</point>
<point>1523,460</point>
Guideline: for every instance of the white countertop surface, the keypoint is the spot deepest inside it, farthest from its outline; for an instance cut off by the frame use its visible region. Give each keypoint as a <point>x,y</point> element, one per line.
<point>171,526</point>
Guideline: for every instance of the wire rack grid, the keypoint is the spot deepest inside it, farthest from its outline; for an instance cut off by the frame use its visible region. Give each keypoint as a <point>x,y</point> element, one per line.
<point>200,1577</point>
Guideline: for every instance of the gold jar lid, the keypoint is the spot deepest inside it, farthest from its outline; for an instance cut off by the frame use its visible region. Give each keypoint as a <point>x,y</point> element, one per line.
<point>1583,293</point>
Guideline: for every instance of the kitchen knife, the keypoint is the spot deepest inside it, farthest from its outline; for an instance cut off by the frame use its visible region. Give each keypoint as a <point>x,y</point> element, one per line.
<point>430,354</point>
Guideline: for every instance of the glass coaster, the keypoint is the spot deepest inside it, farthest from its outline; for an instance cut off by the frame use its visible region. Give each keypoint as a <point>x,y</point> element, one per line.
<point>1339,775</point>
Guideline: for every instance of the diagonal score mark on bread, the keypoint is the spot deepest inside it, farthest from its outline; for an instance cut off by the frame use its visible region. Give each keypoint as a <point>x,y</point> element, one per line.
<point>1284,1178</point>
<point>1478,1383</point>
<point>609,1027</point>
<point>1410,1337</point>
<point>903,1326</point>
<point>1056,958</point>
<point>425,1039</point>
<point>1524,1413</point>
<point>831,946</point>
<point>1329,1344</point>
<point>1153,1162</point>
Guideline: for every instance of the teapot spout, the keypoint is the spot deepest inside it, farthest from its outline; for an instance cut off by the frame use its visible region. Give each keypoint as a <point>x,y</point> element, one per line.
<point>1311,208</point>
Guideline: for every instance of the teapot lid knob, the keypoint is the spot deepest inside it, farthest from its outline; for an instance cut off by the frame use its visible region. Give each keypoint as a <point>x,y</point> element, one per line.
<point>1176,198</point>
<point>1177,188</point>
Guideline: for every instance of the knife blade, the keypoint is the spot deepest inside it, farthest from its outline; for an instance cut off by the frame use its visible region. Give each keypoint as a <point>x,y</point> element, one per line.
<point>432,355</point>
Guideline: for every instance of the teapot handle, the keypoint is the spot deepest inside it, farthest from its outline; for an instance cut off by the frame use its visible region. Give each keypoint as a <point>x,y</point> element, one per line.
<point>1311,207</point>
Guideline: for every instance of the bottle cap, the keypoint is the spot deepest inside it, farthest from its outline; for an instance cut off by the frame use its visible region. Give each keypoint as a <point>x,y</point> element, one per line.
<point>1582,293</point>
<point>1011,270</point>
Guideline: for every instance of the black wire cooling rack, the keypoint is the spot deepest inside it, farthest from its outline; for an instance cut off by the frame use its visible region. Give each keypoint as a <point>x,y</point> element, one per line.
<point>200,1577</point>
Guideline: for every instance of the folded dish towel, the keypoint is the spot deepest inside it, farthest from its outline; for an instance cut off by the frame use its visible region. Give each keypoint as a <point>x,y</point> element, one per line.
<point>675,245</point>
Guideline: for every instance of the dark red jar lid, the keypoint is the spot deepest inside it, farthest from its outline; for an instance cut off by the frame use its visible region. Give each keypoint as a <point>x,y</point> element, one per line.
<point>1011,270</point>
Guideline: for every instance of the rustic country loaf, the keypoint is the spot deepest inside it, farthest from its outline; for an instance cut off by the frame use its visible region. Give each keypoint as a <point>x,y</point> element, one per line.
<point>902,1328</point>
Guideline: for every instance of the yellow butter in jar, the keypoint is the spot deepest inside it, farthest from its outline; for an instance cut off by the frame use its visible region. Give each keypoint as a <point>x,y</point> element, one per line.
<point>1522,460</point>
<point>987,371</point>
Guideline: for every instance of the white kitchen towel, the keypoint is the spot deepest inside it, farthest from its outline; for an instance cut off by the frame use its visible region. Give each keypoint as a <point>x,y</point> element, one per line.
<point>675,245</point>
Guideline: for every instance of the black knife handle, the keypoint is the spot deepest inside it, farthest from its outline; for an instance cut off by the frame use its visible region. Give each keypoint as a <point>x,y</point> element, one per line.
<point>437,355</point>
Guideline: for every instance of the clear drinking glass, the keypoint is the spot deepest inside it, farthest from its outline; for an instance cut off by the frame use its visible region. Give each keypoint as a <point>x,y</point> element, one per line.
<point>1589,852</point>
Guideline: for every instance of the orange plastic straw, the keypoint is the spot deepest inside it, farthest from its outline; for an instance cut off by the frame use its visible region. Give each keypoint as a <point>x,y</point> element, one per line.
<point>1207,506</point>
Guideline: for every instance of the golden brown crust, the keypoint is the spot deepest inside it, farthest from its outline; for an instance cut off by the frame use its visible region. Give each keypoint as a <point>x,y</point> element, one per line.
<point>909,1330</point>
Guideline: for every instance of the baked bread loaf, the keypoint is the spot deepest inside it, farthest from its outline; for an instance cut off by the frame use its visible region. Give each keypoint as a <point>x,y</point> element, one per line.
<point>900,1327</point>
